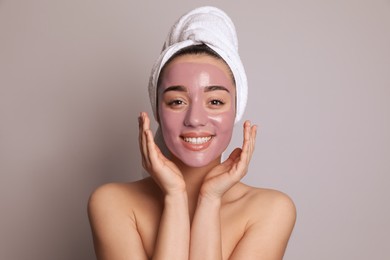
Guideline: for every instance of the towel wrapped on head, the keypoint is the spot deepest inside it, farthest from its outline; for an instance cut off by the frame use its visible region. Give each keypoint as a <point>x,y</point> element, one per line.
<point>212,27</point>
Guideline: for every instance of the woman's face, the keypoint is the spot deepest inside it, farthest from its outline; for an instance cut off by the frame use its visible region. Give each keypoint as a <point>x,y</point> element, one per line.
<point>196,108</point>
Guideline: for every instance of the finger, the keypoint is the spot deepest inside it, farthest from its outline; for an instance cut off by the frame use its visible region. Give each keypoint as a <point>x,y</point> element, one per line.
<point>146,150</point>
<point>152,151</point>
<point>145,125</point>
<point>253,139</point>
<point>141,139</point>
<point>140,130</point>
<point>246,141</point>
<point>251,142</point>
<point>146,121</point>
<point>242,162</point>
<point>252,130</point>
<point>234,155</point>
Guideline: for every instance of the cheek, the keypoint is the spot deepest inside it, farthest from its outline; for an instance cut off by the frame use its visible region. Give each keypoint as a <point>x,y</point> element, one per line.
<point>225,120</point>
<point>170,121</point>
<point>223,125</point>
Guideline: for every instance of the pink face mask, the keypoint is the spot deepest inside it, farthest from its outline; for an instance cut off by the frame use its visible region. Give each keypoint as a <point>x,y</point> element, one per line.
<point>196,108</point>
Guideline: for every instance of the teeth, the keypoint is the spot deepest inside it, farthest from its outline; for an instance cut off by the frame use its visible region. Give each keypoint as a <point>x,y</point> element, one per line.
<point>197,140</point>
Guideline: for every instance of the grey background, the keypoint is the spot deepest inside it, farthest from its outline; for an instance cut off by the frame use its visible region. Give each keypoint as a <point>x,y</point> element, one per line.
<point>73,77</point>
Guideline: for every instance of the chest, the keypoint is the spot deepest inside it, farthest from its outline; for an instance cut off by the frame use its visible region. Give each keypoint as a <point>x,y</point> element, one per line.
<point>233,223</point>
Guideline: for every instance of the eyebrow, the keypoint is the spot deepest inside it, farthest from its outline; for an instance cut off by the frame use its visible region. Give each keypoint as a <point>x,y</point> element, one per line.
<point>175,88</point>
<point>213,88</point>
<point>184,89</point>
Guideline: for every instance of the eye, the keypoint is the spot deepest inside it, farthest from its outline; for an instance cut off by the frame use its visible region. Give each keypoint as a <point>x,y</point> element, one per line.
<point>217,102</point>
<point>176,102</point>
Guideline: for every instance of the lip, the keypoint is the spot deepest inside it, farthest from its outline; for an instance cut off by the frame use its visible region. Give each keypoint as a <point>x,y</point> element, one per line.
<point>201,138</point>
<point>196,134</point>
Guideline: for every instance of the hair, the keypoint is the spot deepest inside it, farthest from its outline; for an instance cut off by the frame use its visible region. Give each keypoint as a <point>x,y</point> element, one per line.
<point>195,50</point>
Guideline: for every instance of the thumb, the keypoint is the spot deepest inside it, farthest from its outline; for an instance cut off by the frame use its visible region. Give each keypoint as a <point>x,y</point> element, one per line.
<point>235,154</point>
<point>231,159</point>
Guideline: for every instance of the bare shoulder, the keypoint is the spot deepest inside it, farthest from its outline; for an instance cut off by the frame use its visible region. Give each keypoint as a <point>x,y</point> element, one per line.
<point>271,199</point>
<point>112,211</point>
<point>270,205</point>
<point>270,218</point>
<point>121,196</point>
<point>120,202</point>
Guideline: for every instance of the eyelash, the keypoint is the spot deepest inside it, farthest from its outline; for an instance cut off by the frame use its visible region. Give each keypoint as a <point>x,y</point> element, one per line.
<point>179,102</point>
<point>176,102</point>
<point>218,101</point>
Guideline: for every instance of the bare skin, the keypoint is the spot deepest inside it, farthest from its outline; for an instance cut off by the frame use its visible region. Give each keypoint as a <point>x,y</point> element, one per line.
<point>184,212</point>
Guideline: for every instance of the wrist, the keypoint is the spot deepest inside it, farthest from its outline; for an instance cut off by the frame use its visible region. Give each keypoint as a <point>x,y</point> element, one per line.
<point>176,197</point>
<point>211,200</point>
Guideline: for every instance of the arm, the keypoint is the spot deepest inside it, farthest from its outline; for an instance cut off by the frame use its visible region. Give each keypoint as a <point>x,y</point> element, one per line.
<point>266,235</point>
<point>272,214</point>
<point>114,230</point>
<point>174,229</point>
<point>113,222</point>
<point>206,230</point>
<point>173,234</point>
<point>268,232</point>
<point>206,226</point>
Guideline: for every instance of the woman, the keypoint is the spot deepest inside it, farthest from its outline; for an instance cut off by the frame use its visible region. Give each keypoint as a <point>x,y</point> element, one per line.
<point>193,206</point>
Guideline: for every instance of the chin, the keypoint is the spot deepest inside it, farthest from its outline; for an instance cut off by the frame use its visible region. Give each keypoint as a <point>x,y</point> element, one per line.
<point>197,164</point>
<point>196,159</point>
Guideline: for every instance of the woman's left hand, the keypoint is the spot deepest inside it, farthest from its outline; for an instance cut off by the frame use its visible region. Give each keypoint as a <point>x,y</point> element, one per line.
<point>222,177</point>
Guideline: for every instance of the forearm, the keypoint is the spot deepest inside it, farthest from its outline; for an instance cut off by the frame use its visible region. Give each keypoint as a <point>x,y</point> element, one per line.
<point>174,231</point>
<point>206,231</point>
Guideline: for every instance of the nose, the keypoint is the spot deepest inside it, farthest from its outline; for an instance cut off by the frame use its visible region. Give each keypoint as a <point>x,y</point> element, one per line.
<point>196,116</point>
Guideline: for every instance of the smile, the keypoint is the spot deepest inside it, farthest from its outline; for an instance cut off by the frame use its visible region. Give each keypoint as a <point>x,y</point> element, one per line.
<point>197,140</point>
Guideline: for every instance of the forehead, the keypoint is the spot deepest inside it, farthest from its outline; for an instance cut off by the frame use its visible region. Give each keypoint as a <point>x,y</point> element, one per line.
<point>197,69</point>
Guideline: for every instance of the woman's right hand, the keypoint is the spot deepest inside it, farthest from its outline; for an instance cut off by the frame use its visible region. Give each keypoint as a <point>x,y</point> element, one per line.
<point>164,172</point>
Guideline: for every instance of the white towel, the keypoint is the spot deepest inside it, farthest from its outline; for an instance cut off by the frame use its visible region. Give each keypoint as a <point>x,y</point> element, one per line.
<point>204,25</point>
